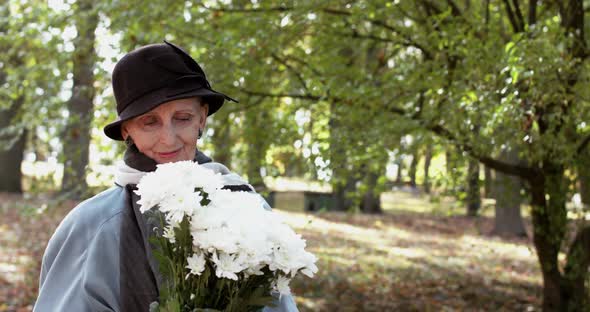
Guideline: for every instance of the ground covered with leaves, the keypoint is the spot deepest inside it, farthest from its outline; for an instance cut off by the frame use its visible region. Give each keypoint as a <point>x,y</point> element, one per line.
<point>399,261</point>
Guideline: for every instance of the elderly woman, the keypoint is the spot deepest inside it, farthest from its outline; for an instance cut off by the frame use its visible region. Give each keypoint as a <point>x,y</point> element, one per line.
<point>99,258</point>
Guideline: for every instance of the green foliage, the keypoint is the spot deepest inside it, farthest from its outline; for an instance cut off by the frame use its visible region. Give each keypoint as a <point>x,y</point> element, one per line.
<point>33,65</point>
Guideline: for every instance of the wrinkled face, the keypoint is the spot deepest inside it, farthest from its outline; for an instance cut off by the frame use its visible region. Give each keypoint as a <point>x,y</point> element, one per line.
<point>168,132</point>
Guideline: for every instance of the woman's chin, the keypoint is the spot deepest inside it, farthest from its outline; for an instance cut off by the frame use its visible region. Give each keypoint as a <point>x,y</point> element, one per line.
<point>162,159</point>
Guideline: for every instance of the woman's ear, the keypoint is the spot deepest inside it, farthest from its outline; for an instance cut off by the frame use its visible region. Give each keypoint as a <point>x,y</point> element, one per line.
<point>124,132</point>
<point>203,112</point>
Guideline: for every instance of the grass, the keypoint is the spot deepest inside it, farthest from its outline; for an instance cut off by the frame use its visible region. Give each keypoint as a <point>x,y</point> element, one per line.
<point>415,257</point>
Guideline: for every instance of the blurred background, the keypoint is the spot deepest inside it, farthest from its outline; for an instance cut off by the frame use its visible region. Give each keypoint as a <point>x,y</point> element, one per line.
<point>434,154</point>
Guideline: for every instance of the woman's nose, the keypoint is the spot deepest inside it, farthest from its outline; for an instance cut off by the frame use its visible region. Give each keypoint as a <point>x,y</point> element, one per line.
<point>168,135</point>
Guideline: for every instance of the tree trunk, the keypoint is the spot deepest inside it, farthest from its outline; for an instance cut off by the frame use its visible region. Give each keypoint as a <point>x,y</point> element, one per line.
<point>222,139</point>
<point>413,168</point>
<point>489,181</point>
<point>584,177</point>
<point>400,167</point>
<point>549,221</point>
<point>76,138</point>
<point>371,202</point>
<point>257,143</point>
<point>473,192</point>
<point>343,181</point>
<point>575,293</point>
<point>508,219</point>
<point>427,160</point>
<point>585,187</point>
<point>11,150</point>
<point>340,197</point>
<point>372,170</point>
<point>451,164</point>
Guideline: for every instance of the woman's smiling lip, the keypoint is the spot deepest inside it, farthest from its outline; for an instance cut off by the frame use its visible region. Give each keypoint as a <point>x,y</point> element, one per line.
<point>169,154</point>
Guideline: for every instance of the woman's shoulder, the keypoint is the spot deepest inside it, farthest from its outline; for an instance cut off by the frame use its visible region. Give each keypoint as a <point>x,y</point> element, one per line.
<point>88,217</point>
<point>100,214</point>
<point>100,207</point>
<point>216,167</point>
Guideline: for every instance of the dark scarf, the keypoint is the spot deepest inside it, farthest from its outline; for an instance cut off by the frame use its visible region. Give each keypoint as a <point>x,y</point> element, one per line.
<point>139,278</point>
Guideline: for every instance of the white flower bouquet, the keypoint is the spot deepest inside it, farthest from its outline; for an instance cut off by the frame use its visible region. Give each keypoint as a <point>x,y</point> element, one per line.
<point>217,249</point>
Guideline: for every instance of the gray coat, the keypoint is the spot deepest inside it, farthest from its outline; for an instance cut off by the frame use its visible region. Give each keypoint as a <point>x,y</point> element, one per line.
<point>82,265</point>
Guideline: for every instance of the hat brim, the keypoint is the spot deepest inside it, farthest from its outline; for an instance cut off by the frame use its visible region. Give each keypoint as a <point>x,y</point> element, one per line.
<point>154,99</point>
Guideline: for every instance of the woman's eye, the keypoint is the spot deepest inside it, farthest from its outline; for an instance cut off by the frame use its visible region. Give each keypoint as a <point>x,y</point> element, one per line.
<point>184,117</point>
<point>149,121</point>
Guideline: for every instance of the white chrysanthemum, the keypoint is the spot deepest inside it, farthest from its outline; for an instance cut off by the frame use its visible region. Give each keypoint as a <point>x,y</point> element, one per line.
<point>169,234</point>
<point>206,179</point>
<point>254,270</point>
<point>289,255</point>
<point>233,231</point>
<point>196,263</point>
<point>281,285</point>
<point>309,269</point>
<point>221,238</point>
<point>226,266</point>
<point>254,246</point>
<point>179,204</point>
<point>174,179</point>
<point>216,214</point>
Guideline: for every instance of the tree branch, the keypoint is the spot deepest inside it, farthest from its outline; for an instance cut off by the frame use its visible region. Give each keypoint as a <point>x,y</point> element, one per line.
<point>521,171</point>
<point>241,108</point>
<point>583,144</point>
<point>511,17</point>
<point>336,12</point>
<point>306,64</point>
<point>511,169</point>
<point>371,37</point>
<point>532,12</point>
<point>487,14</point>
<point>243,10</point>
<point>454,8</point>
<point>430,7</point>
<point>581,244</point>
<point>408,40</point>
<point>296,73</point>
<point>406,14</point>
<point>518,13</point>
<point>573,21</point>
<point>282,95</point>
<point>578,260</point>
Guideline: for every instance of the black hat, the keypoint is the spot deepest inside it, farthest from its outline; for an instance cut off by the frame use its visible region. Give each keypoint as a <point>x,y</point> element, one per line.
<point>155,74</point>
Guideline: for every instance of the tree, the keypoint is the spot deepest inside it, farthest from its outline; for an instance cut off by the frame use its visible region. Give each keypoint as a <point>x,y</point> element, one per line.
<point>583,166</point>
<point>76,136</point>
<point>222,138</point>
<point>548,121</point>
<point>11,154</point>
<point>30,79</point>
<point>473,190</point>
<point>448,54</point>
<point>413,167</point>
<point>427,160</point>
<point>488,180</point>
<point>508,220</point>
<point>258,129</point>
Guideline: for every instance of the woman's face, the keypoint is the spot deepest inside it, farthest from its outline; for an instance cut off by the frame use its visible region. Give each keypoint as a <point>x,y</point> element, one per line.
<point>168,132</point>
